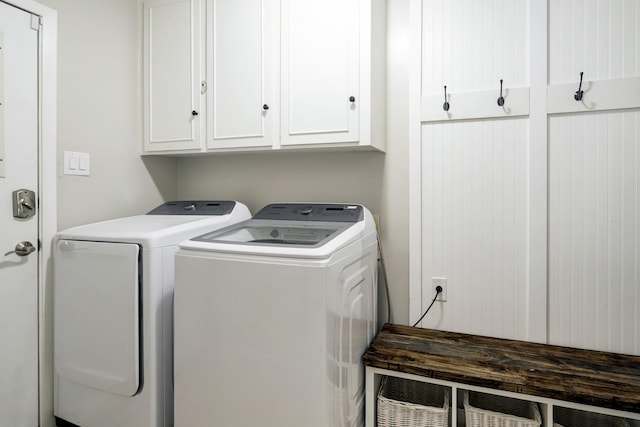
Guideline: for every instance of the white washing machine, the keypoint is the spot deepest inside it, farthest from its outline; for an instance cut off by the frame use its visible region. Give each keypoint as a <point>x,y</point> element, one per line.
<point>272,316</point>
<point>113,287</point>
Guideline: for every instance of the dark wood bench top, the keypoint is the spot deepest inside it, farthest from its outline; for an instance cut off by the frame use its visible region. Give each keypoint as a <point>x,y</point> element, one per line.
<point>595,378</point>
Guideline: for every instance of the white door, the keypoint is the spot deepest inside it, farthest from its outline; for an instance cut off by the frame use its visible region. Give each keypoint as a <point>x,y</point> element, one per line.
<point>18,170</point>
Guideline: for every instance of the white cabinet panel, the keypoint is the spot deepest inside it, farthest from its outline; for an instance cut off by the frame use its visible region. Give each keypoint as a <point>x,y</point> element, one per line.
<point>242,66</point>
<point>172,75</point>
<point>320,45</point>
<point>333,73</point>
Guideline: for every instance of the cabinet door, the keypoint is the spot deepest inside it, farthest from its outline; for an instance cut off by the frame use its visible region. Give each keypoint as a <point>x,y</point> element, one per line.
<point>320,71</point>
<point>242,72</point>
<point>172,75</point>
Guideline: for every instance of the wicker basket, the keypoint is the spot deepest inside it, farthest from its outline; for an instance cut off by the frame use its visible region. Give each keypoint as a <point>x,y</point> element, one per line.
<point>487,410</point>
<point>407,403</point>
<point>564,417</point>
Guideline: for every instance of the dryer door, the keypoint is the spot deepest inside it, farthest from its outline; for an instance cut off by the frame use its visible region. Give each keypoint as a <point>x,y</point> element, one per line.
<point>96,315</point>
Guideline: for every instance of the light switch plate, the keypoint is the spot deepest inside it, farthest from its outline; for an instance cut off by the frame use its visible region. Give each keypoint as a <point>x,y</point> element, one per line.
<point>77,163</point>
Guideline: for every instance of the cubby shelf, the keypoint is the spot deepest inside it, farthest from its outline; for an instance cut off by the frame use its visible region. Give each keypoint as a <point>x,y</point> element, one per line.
<point>561,381</point>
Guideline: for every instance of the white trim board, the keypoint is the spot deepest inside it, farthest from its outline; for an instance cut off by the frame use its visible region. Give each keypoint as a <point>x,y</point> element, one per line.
<point>538,175</point>
<point>415,165</point>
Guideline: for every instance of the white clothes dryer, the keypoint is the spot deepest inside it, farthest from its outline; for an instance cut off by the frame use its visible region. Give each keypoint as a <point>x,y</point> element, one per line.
<point>112,294</point>
<point>272,316</point>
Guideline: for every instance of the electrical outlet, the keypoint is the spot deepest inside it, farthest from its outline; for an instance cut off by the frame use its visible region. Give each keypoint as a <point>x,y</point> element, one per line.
<point>442,282</point>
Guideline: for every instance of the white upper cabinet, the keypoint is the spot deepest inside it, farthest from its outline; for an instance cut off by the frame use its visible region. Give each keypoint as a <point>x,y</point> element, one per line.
<point>172,100</point>
<point>242,73</point>
<point>280,74</point>
<point>320,63</point>
<point>332,72</point>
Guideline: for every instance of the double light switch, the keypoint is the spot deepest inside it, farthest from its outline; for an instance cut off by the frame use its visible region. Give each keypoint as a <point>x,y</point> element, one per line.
<point>76,163</point>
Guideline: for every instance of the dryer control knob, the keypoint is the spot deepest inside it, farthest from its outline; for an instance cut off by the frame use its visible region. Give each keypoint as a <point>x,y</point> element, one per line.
<point>306,210</point>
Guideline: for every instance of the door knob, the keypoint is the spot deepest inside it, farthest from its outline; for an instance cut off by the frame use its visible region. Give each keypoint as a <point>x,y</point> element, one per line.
<point>24,203</point>
<point>22,249</point>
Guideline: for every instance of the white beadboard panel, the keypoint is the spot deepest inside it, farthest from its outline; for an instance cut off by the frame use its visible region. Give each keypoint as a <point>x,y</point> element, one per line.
<point>470,45</point>
<point>594,231</point>
<point>598,37</point>
<point>474,225</point>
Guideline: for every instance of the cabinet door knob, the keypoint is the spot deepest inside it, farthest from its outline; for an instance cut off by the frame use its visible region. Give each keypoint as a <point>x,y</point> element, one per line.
<point>265,107</point>
<point>194,113</point>
<point>352,99</point>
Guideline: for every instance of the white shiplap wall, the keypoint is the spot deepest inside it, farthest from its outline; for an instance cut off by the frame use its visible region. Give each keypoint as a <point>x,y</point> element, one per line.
<point>480,181</point>
<point>470,45</point>
<point>594,182</point>
<point>474,172</point>
<point>599,37</point>
<point>594,231</point>
<point>474,210</point>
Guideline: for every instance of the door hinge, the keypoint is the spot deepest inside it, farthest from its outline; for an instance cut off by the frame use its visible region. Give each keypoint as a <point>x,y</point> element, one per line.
<point>36,21</point>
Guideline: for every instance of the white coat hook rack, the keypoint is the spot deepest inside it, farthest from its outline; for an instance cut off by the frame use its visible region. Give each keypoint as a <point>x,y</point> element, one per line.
<point>475,104</point>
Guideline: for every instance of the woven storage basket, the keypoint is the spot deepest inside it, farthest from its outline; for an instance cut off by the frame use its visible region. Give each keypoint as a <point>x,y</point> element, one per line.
<point>407,403</point>
<point>487,410</point>
<point>564,417</point>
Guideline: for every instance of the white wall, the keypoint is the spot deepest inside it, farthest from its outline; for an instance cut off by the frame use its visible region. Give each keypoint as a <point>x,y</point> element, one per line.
<point>378,181</point>
<point>594,182</point>
<point>534,220</point>
<point>474,179</point>
<point>100,112</point>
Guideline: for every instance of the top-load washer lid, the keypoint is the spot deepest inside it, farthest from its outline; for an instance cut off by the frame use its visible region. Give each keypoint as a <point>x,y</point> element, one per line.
<point>267,233</point>
<point>165,225</point>
<point>290,229</point>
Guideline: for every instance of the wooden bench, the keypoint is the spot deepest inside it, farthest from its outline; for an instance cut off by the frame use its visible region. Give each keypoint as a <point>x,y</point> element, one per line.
<point>596,381</point>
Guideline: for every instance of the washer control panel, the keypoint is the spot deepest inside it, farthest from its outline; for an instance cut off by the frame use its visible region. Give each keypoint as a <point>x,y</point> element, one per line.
<point>195,207</point>
<point>327,212</point>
